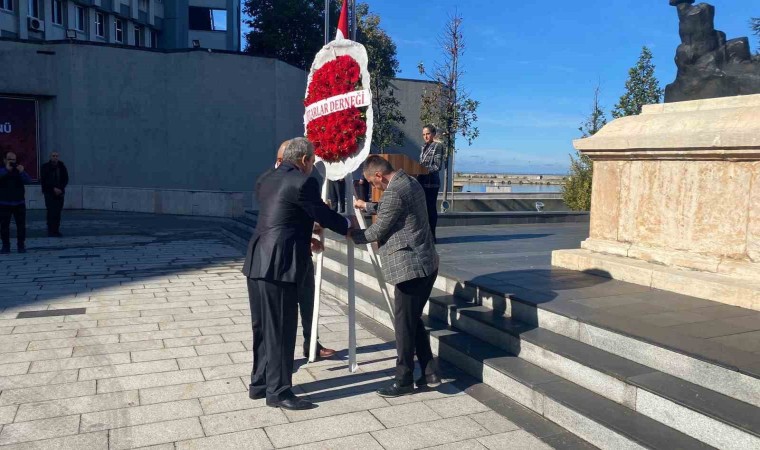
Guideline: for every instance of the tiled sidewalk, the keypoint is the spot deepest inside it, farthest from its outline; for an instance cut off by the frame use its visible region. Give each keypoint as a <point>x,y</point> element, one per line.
<point>161,357</point>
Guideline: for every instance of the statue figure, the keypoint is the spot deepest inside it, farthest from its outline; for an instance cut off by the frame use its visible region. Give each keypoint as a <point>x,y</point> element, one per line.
<point>709,65</point>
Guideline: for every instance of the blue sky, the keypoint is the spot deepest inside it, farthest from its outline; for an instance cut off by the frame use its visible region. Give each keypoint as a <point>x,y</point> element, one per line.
<point>533,65</point>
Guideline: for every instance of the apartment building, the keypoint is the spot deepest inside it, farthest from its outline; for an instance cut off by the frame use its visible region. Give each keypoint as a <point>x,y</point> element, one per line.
<point>161,24</point>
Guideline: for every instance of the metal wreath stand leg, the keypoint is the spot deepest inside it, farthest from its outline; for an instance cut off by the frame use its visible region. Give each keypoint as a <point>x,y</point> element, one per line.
<point>352,365</point>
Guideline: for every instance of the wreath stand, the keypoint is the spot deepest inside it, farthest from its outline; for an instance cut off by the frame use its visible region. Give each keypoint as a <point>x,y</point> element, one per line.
<point>351,288</point>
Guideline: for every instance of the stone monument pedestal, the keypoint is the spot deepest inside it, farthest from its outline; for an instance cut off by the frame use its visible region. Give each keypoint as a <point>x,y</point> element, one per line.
<point>676,200</point>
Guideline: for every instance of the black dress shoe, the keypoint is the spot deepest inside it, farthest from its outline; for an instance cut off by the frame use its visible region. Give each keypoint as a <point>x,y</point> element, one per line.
<point>21,249</point>
<point>432,380</point>
<point>5,250</point>
<point>396,390</point>
<point>293,403</point>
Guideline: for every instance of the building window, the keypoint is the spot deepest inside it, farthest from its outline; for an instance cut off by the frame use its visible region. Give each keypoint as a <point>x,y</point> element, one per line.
<point>119,30</point>
<point>100,26</point>
<point>142,5</point>
<point>207,19</point>
<point>58,12</point>
<point>153,39</point>
<point>79,18</point>
<point>34,8</point>
<point>6,4</point>
<point>138,37</point>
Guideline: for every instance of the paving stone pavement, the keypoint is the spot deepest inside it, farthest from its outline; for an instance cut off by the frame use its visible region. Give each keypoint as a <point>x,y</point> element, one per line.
<point>161,356</point>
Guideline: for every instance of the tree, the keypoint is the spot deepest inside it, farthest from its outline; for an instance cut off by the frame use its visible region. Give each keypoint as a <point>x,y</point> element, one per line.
<point>754,24</point>
<point>289,30</point>
<point>641,88</point>
<point>383,67</point>
<point>446,104</point>
<point>577,190</point>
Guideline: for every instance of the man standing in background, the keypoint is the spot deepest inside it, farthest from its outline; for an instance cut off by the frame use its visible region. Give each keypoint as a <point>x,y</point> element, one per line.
<point>54,177</point>
<point>13,202</point>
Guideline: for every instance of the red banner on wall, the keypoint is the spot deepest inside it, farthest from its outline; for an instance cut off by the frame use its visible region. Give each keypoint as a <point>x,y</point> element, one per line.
<point>18,132</point>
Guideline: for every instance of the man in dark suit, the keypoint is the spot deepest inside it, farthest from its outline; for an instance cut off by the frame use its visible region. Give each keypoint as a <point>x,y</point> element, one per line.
<point>306,299</point>
<point>276,265</point>
<point>54,177</point>
<point>409,261</point>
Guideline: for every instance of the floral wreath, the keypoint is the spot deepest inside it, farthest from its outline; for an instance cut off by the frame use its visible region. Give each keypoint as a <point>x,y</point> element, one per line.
<point>338,116</point>
<point>336,136</point>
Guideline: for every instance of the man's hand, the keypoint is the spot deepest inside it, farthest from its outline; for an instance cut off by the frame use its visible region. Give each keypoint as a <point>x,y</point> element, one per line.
<point>57,191</point>
<point>318,230</point>
<point>316,246</point>
<point>20,168</point>
<point>360,204</point>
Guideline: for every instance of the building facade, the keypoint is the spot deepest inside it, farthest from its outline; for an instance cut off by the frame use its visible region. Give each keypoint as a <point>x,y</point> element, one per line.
<point>166,131</point>
<point>161,24</point>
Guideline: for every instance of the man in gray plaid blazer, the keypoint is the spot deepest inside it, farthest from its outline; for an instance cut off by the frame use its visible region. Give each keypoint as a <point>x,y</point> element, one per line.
<point>410,262</point>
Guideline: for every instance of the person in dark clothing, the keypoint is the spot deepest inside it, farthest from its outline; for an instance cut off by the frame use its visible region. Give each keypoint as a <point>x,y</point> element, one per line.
<point>277,269</point>
<point>337,192</point>
<point>13,202</point>
<point>306,300</point>
<point>431,157</point>
<point>54,178</point>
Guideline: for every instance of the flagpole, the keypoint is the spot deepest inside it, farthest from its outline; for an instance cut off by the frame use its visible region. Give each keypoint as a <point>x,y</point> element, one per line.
<point>327,23</point>
<point>353,20</point>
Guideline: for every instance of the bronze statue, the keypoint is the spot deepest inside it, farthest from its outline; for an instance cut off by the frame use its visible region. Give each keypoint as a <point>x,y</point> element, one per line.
<point>709,65</point>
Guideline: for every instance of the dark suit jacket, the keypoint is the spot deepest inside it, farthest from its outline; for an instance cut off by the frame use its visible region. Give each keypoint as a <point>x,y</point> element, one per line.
<point>47,177</point>
<point>289,204</point>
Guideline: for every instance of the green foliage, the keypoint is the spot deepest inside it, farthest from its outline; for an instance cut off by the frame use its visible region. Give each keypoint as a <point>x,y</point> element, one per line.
<point>289,30</point>
<point>446,104</point>
<point>641,88</point>
<point>577,189</point>
<point>383,67</point>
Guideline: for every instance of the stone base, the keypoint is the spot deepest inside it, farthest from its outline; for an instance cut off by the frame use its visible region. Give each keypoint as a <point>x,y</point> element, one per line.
<point>740,270</point>
<point>711,286</point>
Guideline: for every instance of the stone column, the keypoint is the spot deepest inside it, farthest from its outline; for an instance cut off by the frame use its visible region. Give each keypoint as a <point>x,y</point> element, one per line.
<point>676,200</point>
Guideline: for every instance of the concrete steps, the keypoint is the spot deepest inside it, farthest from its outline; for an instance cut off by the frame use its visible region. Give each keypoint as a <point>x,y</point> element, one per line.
<point>597,383</point>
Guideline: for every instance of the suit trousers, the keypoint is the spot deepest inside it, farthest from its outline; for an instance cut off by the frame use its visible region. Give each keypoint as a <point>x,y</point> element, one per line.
<point>54,205</point>
<point>306,305</point>
<point>18,212</point>
<point>431,199</point>
<point>274,319</point>
<point>411,337</point>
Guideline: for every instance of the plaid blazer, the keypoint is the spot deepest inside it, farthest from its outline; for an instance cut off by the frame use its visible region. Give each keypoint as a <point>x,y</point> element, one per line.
<point>431,157</point>
<point>402,232</point>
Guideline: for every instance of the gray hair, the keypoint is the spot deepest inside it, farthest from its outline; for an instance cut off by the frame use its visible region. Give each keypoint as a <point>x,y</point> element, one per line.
<point>298,148</point>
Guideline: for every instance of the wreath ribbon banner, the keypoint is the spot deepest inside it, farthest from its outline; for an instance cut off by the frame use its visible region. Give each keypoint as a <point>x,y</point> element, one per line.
<point>337,103</point>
